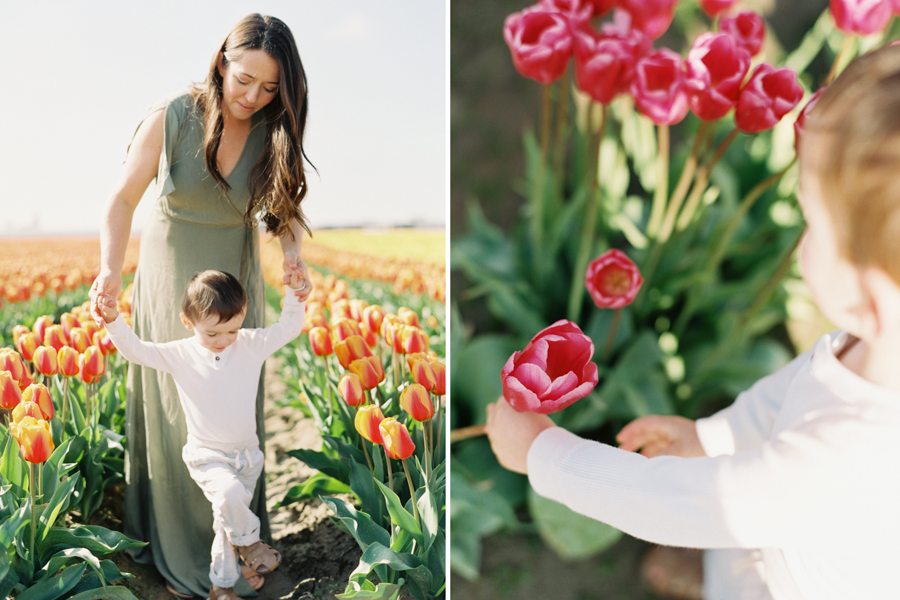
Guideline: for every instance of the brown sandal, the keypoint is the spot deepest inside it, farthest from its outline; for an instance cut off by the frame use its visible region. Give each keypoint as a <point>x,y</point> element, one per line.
<point>260,556</point>
<point>217,593</point>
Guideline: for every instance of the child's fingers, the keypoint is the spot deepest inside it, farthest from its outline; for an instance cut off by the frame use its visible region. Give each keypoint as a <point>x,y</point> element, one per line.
<point>640,432</point>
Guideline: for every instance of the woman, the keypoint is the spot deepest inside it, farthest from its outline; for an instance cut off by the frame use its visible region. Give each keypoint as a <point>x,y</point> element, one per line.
<point>223,154</point>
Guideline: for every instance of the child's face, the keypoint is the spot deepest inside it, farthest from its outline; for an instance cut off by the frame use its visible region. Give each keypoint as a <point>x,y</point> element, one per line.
<point>212,334</point>
<point>832,279</point>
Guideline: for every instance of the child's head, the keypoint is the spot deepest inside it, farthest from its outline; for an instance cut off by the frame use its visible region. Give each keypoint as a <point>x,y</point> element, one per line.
<point>214,306</point>
<point>850,185</point>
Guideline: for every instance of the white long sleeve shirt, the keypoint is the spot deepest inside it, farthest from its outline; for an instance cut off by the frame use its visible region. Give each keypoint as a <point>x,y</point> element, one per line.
<point>217,390</point>
<point>805,465</point>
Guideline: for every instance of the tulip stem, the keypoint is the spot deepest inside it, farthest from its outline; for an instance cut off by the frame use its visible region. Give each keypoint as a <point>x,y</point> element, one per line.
<point>366,452</point>
<point>33,520</point>
<point>683,185</point>
<point>537,190</point>
<point>427,444</point>
<point>412,493</point>
<point>562,103</point>
<point>611,335</point>
<point>437,446</point>
<point>658,207</point>
<point>387,460</point>
<point>65,406</point>
<point>846,47</point>
<point>465,433</point>
<point>693,202</point>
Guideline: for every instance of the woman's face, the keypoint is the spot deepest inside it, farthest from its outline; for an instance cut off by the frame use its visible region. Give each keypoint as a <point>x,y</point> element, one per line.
<point>248,84</point>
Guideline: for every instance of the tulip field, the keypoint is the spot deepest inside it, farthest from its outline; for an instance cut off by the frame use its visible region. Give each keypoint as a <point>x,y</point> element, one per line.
<point>368,371</point>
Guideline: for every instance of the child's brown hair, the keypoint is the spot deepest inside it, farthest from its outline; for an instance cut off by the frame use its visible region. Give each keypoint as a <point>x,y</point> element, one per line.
<point>852,137</point>
<point>213,293</point>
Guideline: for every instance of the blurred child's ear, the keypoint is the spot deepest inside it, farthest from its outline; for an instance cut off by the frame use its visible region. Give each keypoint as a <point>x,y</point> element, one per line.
<point>882,313</point>
<point>186,322</point>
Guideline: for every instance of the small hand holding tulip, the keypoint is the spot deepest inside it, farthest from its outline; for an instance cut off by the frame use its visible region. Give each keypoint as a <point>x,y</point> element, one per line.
<point>657,435</point>
<point>511,433</point>
<point>296,275</point>
<point>105,306</point>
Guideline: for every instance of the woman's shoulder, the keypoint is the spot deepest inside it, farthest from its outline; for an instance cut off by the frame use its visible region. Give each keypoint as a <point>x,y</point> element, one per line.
<point>181,102</point>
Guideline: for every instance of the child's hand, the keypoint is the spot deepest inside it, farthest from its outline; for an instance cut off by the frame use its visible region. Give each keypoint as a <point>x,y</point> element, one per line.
<point>511,433</point>
<point>661,436</point>
<point>106,307</point>
<point>296,275</point>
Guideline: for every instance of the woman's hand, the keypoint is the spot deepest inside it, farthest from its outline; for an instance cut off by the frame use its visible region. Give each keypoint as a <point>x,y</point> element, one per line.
<point>511,433</point>
<point>109,285</point>
<point>661,436</point>
<point>296,275</point>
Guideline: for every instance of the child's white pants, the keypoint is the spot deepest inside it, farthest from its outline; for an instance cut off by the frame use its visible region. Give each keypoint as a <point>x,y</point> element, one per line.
<point>734,574</point>
<point>227,479</point>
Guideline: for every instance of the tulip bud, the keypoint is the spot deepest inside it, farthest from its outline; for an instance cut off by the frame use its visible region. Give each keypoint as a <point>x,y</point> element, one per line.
<point>44,360</point>
<point>422,373</point>
<point>408,316</point>
<point>369,370</point>
<point>368,335</point>
<point>351,390</point>
<point>90,328</point>
<point>18,331</point>
<point>68,322</point>
<point>10,396</point>
<point>416,401</point>
<point>34,438</point>
<point>55,337</point>
<point>41,325</point>
<point>102,340</point>
<point>68,361</point>
<point>413,339</point>
<point>373,315</point>
<point>78,339</point>
<point>613,280</point>
<point>26,344</point>
<point>395,438</point>
<point>40,395</point>
<point>12,362</point>
<point>340,309</point>
<point>94,365</point>
<point>390,331</point>
<point>26,409</point>
<point>320,340</point>
<point>440,377</point>
<point>357,308</point>
<point>367,420</point>
<point>350,349</point>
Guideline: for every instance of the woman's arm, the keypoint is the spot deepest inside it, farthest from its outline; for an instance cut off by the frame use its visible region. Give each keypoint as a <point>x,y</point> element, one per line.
<point>141,166</point>
<point>293,264</point>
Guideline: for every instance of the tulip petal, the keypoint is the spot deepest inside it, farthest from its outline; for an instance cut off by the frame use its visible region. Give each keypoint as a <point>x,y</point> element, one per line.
<point>560,387</point>
<point>520,397</point>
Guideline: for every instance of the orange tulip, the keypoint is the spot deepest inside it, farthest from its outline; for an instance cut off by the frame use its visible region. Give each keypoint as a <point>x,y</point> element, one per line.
<point>368,335</point>
<point>373,315</point>
<point>18,331</point>
<point>351,390</point>
<point>68,322</point>
<point>12,362</point>
<point>320,340</point>
<point>68,361</point>
<point>79,339</point>
<point>44,360</point>
<point>34,438</point>
<point>440,377</point>
<point>416,401</point>
<point>395,438</point>
<point>40,395</point>
<point>369,370</point>
<point>408,316</point>
<point>90,328</point>
<point>26,344</point>
<point>344,328</point>
<point>413,339</point>
<point>41,325</point>
<point>350,349</point>
<point>93,364</point>
<point>55,337</point>
<point>367,420</point>
<point>422,373</point>
<point>10,396</point>
<point>102,340</point>
<point>26,409</point>
<point>357,307</point>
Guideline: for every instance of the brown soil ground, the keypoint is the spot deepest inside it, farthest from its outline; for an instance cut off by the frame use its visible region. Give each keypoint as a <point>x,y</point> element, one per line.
<point>317,557</point>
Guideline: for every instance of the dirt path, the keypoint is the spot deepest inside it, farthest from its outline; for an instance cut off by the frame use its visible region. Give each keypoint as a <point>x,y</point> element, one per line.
<point>318,557</point>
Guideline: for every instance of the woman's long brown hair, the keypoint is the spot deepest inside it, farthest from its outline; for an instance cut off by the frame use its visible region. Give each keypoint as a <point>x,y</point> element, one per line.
<point>278,178</point>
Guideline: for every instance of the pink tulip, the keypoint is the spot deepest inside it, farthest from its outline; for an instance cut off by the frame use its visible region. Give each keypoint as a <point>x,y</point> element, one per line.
<point>652,17</point>
<point>604,64</point>
<point>540,42</point>
<point>600,7</point>
<point>659,89</point>
<point>862,17</point>
<point>716,67</point>
<point>613,280</point>
<point>714,7</point>
<point>747,28</point>
<point>553,371</point>
<point>769,95</point>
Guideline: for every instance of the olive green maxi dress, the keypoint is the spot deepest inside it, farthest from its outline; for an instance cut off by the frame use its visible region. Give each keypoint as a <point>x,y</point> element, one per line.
<point>194,226</point>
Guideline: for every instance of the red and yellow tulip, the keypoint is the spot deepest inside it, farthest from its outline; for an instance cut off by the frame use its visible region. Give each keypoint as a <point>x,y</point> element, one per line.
<point>352,390</point>
<point>34,438</point>
<point>369,370</point>
<point>367,420</point>
<point>45,360</point>
<point>395,438</point>
<point>416,401</point>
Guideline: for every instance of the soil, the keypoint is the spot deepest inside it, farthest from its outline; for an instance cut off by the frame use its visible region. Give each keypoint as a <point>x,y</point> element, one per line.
<point>317,556</point>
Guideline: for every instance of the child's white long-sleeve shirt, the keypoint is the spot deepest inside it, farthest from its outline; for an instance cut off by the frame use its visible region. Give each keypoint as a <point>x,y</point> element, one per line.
<point>217,390</point>
<point>805,465</point>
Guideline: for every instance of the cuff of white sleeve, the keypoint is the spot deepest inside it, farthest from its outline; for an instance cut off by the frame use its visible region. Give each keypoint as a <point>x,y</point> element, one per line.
<point>545,456</point>
<point>716,435</point>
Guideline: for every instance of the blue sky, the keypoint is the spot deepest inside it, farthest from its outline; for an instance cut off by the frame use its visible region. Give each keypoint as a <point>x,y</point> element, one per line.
<point>79,77</point>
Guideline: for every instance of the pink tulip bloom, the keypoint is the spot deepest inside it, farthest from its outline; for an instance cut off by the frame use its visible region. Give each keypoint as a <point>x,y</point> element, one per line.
<point>716,66</point>
<point>769,95</point>
<point>540,42</point>
<point>862,17</point>
<point>747,28</point>
<point>659,89</point>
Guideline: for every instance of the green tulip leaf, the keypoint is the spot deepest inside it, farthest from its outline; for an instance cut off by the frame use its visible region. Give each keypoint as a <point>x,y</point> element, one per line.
<point>97,539</point>
<point>383,591</point>
<point>314,486</point>
<point>57,503</point>
<point>54,587</point>
<point>115,592</point>
<point>378,554</point>
<point>363,485</point>
<point>399,515</point>
<point>572,535</point>
<point>13,525</point>
<point>360,525</point>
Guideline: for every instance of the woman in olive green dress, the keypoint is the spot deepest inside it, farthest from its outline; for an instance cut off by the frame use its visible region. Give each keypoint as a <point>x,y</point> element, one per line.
<point>224,154</point>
